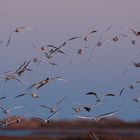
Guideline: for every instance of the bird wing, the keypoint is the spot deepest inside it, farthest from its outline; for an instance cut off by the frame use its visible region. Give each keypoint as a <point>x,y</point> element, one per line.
<point>45,107</point>
<point>55,113</point>
<point>2,108</point>
<point>121,91</point>
<point>38,118</point>
<point>106,115</point>
<point>61,101</point>
<point>92,93</point>
<point>110,94</point>
<point>20,95</point>
<point>9,39</point>
<point>16,107</point>
<point>32,86</point>
<point>84,117</point>
<point>74,38</point>
<point>20,67</point>
<point>3,97</point>
<point>104,33</point>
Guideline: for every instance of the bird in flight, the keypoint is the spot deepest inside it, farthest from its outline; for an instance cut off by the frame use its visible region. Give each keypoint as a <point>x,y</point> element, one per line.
<point>8,110</point>
<point>97,118</point>
<point>100,42</point>
<point>134,64</point>
<point>47,120</point>
<point>100,99</point>
<point>41,83</point>
<point>34,95</point>
<point>54,108</point>
<point>17,30</point>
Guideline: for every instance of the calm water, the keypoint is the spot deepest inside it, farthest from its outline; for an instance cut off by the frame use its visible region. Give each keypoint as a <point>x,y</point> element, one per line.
<point>69,132</point>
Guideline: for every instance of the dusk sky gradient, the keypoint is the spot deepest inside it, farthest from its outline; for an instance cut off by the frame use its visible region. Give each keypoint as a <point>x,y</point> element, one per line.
<point>55,21</point>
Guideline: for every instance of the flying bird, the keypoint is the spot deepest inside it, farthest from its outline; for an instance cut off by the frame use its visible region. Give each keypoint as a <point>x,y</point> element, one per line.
<point>17,30</point>
<point>100,42</point>
<point>92,135</point>
<point>47,120</point>
<point>99,99</point>
<point>54,108</point>
<point>8,110</point>
<point>97,118</point>
<point>41,83</point>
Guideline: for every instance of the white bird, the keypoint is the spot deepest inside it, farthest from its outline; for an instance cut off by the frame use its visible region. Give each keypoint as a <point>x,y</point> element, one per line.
<point>34,95</point>
<point>86,107</point>
<point>5,124</point>
<point>100,42</point>
<point>8,110</point>
<point>17,30</point>
<point>47,120</point>
<point>97,118</point>
<point>54,108</point>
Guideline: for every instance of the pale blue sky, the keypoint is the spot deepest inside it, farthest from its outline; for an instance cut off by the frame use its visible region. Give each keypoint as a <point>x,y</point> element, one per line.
<point>56,21</point>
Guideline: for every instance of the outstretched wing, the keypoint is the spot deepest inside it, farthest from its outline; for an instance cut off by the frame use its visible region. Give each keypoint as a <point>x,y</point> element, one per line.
<point>9,39</point>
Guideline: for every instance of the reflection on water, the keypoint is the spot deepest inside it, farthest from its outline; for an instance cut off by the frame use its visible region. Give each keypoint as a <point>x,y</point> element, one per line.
<point>69,132</point>
<point>15,132</point>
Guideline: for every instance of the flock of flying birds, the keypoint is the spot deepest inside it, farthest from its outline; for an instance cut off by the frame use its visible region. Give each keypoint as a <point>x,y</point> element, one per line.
<point>48,52</point>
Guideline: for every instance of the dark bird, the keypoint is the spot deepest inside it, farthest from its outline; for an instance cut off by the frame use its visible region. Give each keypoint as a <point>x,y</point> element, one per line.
<point>121,91</point>
<point>73,38</point>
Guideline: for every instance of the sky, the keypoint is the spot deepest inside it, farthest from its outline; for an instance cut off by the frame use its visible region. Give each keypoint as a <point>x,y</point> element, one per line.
<point>54,22</point>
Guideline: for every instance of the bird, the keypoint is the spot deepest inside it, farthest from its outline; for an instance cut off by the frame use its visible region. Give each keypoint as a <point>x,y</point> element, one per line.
<point>117,37</point>
<point>11,120</point>
<point>80,51</point>
<point>8,110</point>
<point>136,99</point>
<point>75,37</point>
<point>97,118</point>
<point>88,108</point>
<point>77,109</point>
<point>18,119</point>
<point>43,59</point>
<point>122,90</point>
<point>92,135</point>
<point>41,49</point>
<point>17,30</point>
<point>41,83</point>
<point>23,68</point>
<point>10,75</point>
<point>134,64</point>
<point>3,97</point>
<point>34,95</point>
<point>47,120</point>
<point>54,50</point>
<point>99,99</point>
<point>133,31</point>
<point>86,38</point>
<point>5,124</point>
<point>100,42</point>
<point>54,108</point>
